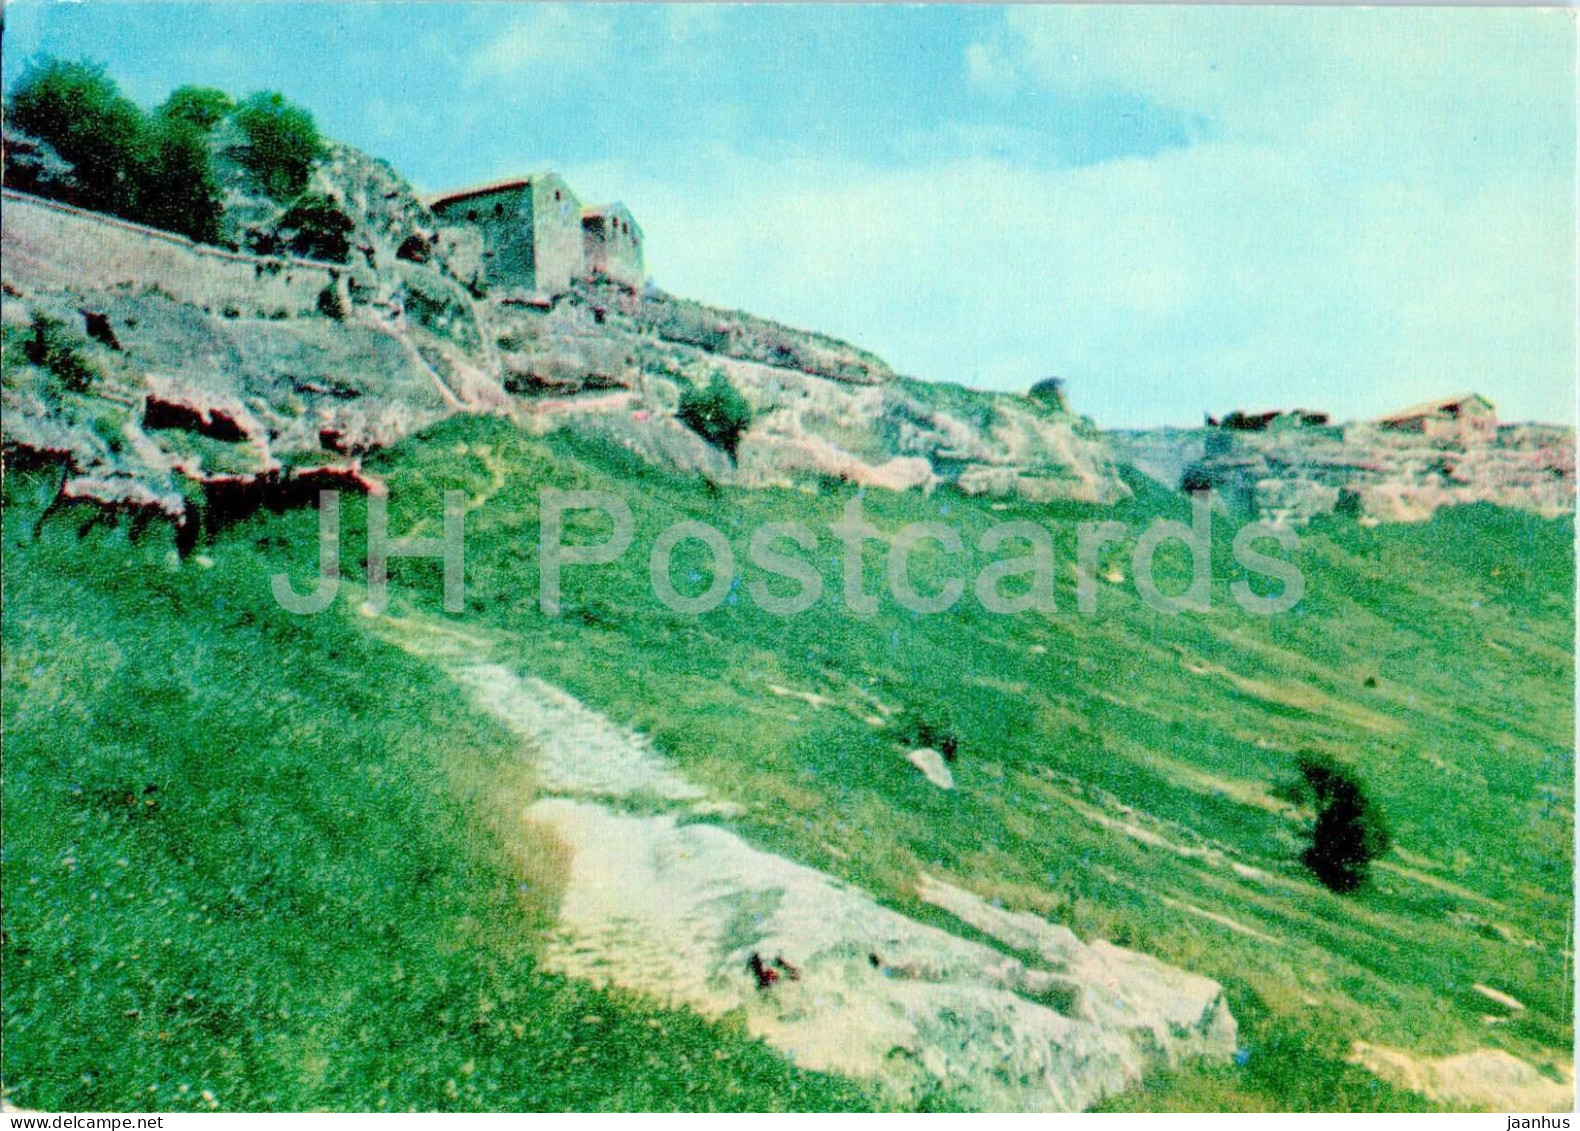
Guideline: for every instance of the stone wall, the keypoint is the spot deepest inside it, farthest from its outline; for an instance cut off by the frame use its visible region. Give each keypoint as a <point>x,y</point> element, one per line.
<point>504,218</point>
<point>612,244</point>
<point>48,239</point>
<point>556,234</point>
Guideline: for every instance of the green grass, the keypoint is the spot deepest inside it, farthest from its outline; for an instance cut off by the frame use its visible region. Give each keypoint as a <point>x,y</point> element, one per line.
<point>1082,741</point>
<point>264,858</point>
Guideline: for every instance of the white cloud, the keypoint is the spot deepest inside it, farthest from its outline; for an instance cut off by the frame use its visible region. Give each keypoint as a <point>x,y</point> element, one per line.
<point>1377,207</point>
<point>549,44</point>
<point>1207,278</point>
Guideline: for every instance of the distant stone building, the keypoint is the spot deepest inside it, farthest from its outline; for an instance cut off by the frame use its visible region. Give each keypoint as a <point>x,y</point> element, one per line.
<point>612,245</point>
<point>531,228</point>
<point>1469,409</point>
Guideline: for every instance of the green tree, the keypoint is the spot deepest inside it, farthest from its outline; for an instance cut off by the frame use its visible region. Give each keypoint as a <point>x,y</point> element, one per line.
<point>78,109</point>
<point>1349,832</point>
<point>201,106</point>
<point>718,413</point>
<point>282,143</point>
<point>176,187</point>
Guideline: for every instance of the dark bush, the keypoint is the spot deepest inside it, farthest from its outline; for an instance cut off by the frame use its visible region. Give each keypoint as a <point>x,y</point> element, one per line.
<point>53,348</point>
<point>935,730</point>
<point>316,228</point>
<point>718,413</point>
<point>330,304</point>
<point>282,143</point>
<point>414,249</point>
<point>1349,832</point>
<point>1196,479</point>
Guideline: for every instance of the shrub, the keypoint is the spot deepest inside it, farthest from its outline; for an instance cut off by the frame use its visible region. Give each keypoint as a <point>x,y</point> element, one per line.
<point>78,110</point>
<point>316,228</point>
<point>330,305</point>
<point>155,170</point>
<point>718,413</point>
<point>53,349</point>
<point>935,731</point>
<point>282,143</point>
<point>1349,832</point>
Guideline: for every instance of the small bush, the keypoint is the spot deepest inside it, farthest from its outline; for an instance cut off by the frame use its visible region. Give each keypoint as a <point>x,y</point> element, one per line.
<point>330,305</point>
<point>717,413</point>
<point>53,349</point>
<point>316,228</point>
<point>1349,832</point>
<point>282,143</point>
<point>935,731</point>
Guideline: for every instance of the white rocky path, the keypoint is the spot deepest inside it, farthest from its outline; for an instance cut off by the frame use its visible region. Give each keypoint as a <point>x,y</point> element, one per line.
<point>661,900</point>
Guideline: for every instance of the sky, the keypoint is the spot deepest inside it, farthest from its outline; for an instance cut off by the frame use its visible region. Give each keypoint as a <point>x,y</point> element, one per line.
<point>1178,210</point>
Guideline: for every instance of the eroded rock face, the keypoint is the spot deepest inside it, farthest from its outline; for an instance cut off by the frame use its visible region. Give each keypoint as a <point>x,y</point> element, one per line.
<point>1376,473</point>
<point>821,409</point>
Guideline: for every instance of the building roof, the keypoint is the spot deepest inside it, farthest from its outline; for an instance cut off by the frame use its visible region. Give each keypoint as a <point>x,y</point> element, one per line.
<point>1432,408</point>
<point>453,196</point>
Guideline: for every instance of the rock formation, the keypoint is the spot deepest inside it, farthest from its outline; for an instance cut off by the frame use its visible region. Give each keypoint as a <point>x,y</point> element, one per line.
<point>1375,472</point>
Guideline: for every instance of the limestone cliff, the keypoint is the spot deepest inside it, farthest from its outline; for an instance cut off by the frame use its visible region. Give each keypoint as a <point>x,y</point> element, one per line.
<point>159,372</point>
<point>1377,473</point>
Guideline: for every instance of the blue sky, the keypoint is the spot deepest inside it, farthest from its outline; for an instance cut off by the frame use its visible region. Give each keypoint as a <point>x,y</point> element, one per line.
<point>1178,209</point>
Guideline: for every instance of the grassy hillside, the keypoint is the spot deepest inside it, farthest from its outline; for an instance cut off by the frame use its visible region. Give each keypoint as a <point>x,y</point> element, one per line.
<point>330,855</point>
<point>256,861</point>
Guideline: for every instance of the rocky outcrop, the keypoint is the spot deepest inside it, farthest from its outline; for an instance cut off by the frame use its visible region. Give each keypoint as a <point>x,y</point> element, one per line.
<point>1377,473</point>
<point>820,410</point>
<point>678,910</point>
<point>295,359</point>
<point>1487,1079</point>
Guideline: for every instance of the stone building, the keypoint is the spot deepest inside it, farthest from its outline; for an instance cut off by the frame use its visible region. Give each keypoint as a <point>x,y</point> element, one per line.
<point>1449,414</point>
<point>531,227</point>
<point>612,245</point>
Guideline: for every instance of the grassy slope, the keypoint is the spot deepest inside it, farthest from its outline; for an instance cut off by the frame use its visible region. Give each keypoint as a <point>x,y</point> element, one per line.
<point>265,858</point>
<point>1074,729</point>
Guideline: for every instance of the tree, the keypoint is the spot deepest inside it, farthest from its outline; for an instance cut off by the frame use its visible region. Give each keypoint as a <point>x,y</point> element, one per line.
<point>200,106</point>
<point>78,110</point>
<point>176,187</point>
<point>1349,832</point>
<point>282,143</point>
<point>718,413</point>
